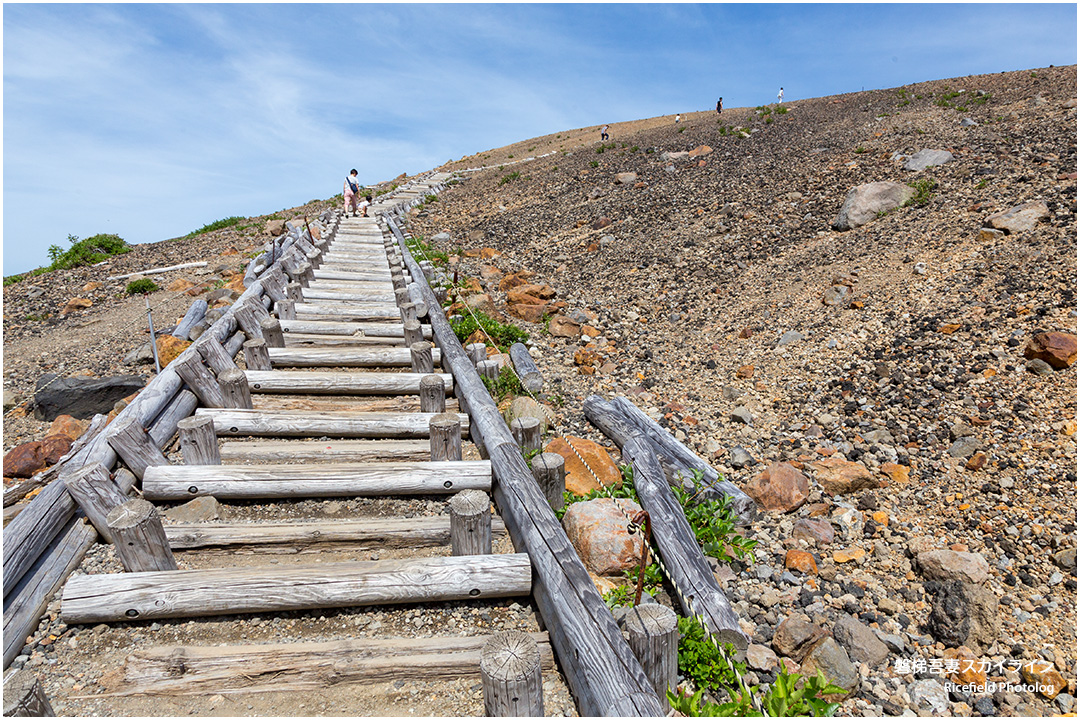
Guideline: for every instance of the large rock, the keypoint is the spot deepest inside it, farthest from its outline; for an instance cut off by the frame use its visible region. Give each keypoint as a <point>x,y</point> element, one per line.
<point>840,477</point>
<point>813,530</point>
<point>954,565</point>
<point>55,447</point>
<point>169,348</point>
<point>860,641</point>
<point>529,312</point>
<point>526,407</point>
<point>864,203</point>
<point>81,397</point>
<point>275,227</point>
<point>831,659</point>
<point>68,426</point>
<point>24,460</point>
<point>562,326</point>
<point>579,479</point>
<point>1056,349</point>
<point>927,158</point>
<point>1021,218</point>
<point>482,303</point>
<point>202,509</point>
<point>780,488</point>
<point>625,178</point>
<point>795,635</point>
<point>962,614</point>
<point>837,295</point>
<point>597,530</point>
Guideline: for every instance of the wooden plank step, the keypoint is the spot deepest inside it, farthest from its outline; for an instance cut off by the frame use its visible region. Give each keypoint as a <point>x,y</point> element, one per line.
<point>306,340</point>
<point>345,357</point>
<point>357,296</point>
<point>367,534</point>
<point>347,403</point>
<point>328,327</point>
<point>299,423</point>
<point>309,311</point>
<point>252,451</point>
<point>219,591</point>
<point>278,667</point>
<point>339,383</point>
<point>352,275</point>
<point>347,286</point>
<point>182,482</point>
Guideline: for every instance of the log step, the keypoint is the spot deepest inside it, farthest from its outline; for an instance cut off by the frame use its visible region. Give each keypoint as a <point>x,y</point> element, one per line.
<point>298,340</point>
<point>345,357</point>
<point>345,403</point>
<point>370,330</point>
<point>183,482</point>
<point>322,274</point>
<point>368,534</point>
<point>359,313</point>
<point>221,591</point>
<point>301,423</point>
<point>306,666</point>
<point>359,297</point>
<point>339,383</point>
<point>247,451</point>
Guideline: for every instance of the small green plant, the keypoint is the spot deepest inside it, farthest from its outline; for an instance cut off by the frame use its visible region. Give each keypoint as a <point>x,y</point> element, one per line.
<point>924,191</point>
<point>505,385</point>
<point>593,163</point>
<point>682,128</point>
<point>700,658</point>
<point>12,279</point>
<point>216,225</point>
<point>510,177</point>
<point>625,490</point>
<point>982,183</point>
<point>781,110</point>
<point>619,596</point>
<point>421,249</point>
<point>768,120</point>
<point>634,148</point>
<point>37,317</point>
<point>654,579</point>
<point>860,150</point>
<point>143,286</point>
<point>785,698</point>
<point>431,199</point>
<point>510,156</point>
<point>86,252</point>
<point>713,523</point>
<point>502,334</point>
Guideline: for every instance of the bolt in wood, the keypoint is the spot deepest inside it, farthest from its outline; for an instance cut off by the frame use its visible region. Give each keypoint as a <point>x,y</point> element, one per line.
<point>470,523</point>
<point>235,390</point>
<point>198,440</point>
<point>421,355</point>
<point>654,638</point>
<point>526,431</point>
<point>511,677</point>
<point>445,435</point>
<point>139,537</point>
<point>432,394</point>
<point>549,469</point>
<point>256,355</point>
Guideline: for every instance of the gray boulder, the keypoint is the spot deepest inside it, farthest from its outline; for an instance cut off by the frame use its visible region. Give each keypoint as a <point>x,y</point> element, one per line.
<point>836,295</point>
<point>740,458</point>
<point>81,397</point>
<point>860,641</point>
<point>831,659</point>
<point>1022,218</point>
<point>927,158</point>
<point>789,337</point>
<point>963,614</point>
<point>864,203</point>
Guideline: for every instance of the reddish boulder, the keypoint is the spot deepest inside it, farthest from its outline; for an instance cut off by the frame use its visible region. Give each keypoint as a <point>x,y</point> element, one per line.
<point>801,561</point>
<point>1056,349</point>
<point>528,312</point>
<point>69,426</point>
<point>24,460</point>
<point>54,447</point>
<point>816,531</point>
<point>597,530</point>
<point>839,476</point>
<point>579,476</point>
<point>780,487</point>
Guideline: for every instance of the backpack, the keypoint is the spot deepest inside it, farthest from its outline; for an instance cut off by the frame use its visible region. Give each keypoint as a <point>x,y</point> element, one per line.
<point>353,186</point>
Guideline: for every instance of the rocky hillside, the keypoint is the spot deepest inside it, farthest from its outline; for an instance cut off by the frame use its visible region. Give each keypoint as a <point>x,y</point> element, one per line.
<point>696,269</point>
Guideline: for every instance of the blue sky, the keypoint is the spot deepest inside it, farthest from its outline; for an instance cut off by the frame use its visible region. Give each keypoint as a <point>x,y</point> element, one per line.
<point>150,121</point>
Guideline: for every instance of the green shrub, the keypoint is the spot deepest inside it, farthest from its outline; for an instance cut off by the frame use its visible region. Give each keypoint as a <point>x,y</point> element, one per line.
<point>713,523</point>
<point>502,334</point>
<point>593,163</point>
<point>86,252</point>
<point>144,286</point>
<point>700,658</point>
<point>216,225</point>
<point>506,385</point>
<point>924,191</point>
<point>509,178</point>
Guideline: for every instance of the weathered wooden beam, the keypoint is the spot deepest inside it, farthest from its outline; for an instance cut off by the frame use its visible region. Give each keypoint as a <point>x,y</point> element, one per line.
<point>234,389</point>
<point>189,670</point>
<point>445,436</point>
<point>433,390</point>
<point>244,451</point>
<point>216,356</point>
<point>179,482</point>
<point>352,313</point>
<point>653,632</point>
<point>310,424</point>
<point>25,697</point>
<point>329,327</point>
<point>368,296</point>
<point>526,369</point>
<point>256,355</point>
<point>526,431</point>
<point>549,469</point>
<point>97,495</point>
<point>201,381</point>
<point>192,317</point>
<point>200,593</point>
<point>341,383</point>
<point>135,447</point>
<point>370,533</point>
<point>138,537</point>
<point>345,357</point>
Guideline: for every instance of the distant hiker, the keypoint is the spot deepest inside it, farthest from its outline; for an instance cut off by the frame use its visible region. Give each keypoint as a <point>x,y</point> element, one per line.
<point>677,119</point>
<point>351,192</point>
<point>720,106</point>
<point>780,96</point>
<point>364,205</point>
<point>603,133</point>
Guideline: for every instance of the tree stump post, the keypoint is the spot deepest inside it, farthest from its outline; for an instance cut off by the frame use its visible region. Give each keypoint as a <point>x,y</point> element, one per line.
<point>477,352</point>
<point>285,309</point>
<point>139,537</point>
<point>510,673</point>
<point>199,379</point>
<point>422,361</point>
<point>654,638</point>
<point>235,390</point>
<point>294,291</point>
<point>134,446</point>
<point>256,355</point>
<point>549,469</point>
<point>25,697</point>
<point>198,440</point>
<point>215,355</point>
<point>408,311</point>
<point>488,369</point>
<point>271,331</point>
<point>401,296</point>
<point>526,432</point>
<point>445,433</point>
<point>470,523</point>
<point>432,394</point>
<point>413,332</point>
<point>97,494</point>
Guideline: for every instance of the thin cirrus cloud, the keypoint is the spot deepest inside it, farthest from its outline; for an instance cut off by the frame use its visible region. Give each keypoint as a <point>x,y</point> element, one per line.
<point>150,120</point>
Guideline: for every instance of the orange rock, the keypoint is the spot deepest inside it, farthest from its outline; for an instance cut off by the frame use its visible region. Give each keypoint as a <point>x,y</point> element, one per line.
<point>55,447</point>
<point>746,371</point>
<point>471,253</point>
<point>519,296</point>
<point>199,289</point>
<point>169,348</point>
<point>179,284</point>
<point>849,555</point>
<point>948,329</point>
<point>969,671</point>
<point>801,561</point>
<point>24,460</point>
<point>477,337</point>
<point>839,476</point>
<point>586,370</point>
<point>585,356</point>
<point>92,286</point>
<point>236,284</point>
<point>472,285</point>
<point>700,150</point>
<point>976,461</point>
<point>1055,348</point>
<point>897,473</point>
<point>544,292</point>
<point>514,280</point>
<point>528,312</point>
<point>489,253</point>
<point>1042,673</point>
<point>589,331</point>
<point>881,518</point>
<point>745,333</point>
<point>579,480</point>
<point>68,426</point>
<point>76,304</point>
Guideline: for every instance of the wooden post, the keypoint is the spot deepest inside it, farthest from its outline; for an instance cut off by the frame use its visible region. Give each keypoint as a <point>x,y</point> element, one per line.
<point>96,493</point>
<point>432,394</point>
<point>488,369</point>
<point>134,446</point>
<point>271,331</point>
<point>402,296</point>
<point>24,696</point>
<point>549,469</point>
<point>285,310</point>
<point>139,538</point>
<point>397,279</point>
<point>526,369</point>
<point>408,311</point>
<point>445,435</point>
<point>421,357</point>
<point>294,291</point>
<point>199,379</point>
<point>477,352</point>
<point>470,523</point>
<point>234,388</point>
<point>215,355</point>
<point>510,673</point>
<point>654,638</point>
<point>256,356</point>
<point>198,441</point>
<point>413,332</point>
<point>526,431</point>
<point>247,319</point>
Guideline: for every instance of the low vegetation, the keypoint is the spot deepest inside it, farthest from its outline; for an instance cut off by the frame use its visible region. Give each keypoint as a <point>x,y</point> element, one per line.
<point>142,286</point>
<point>503,335</point>
<point>216,225</point>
